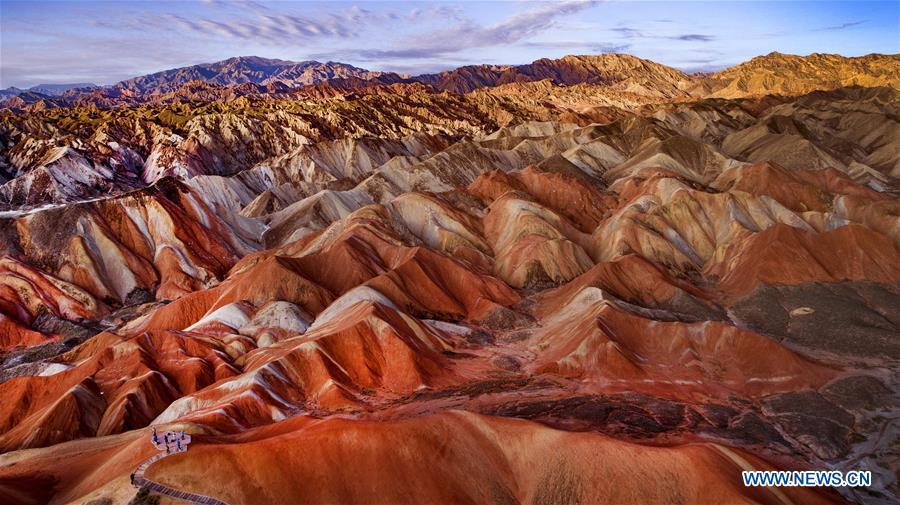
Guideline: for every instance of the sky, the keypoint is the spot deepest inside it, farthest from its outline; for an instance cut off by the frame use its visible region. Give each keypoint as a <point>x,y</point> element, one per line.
<point>68,41</point>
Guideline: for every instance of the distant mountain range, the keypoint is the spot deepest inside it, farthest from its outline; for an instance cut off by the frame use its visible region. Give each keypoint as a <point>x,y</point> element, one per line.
<point>246,69</point>
<point>774,73</point>
<point>608,69</point>
<point>47,89</point>
<point>789,74</point>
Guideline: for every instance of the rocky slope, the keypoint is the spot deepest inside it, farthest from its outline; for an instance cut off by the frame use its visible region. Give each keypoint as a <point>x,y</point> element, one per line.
<point>244,69</point>
<point>620,71</point>
<point>548,293</point>
<point>53,157</point>
<point>789,74</point>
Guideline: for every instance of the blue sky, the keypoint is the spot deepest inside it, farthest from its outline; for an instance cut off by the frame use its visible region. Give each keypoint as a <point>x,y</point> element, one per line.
<point>103,42</point>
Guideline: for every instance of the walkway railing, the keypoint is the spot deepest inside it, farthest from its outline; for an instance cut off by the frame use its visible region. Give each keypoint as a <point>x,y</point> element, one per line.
<point>171,443</point>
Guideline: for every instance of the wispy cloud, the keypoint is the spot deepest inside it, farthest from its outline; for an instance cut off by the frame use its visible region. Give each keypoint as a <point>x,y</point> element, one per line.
<point>518,26</point>
<point>466,33</point>
<point>572,45</point>
<point>692,37</point>
<point>261,24</point>
<point>633,33</point>
<point>436,11</point>
<point>841,26</point>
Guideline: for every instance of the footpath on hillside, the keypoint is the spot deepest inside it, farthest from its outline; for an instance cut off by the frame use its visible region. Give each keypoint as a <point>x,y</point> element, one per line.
<point>168,443</point>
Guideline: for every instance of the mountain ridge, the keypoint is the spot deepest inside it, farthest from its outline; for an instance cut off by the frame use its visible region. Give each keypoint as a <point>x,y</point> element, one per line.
<point>244,69</point>
<point>773,73</point>
<point>46,89</point>
<point>792,74</point>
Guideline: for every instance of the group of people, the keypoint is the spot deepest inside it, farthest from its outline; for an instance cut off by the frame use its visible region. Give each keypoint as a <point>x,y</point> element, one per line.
<point>170,439</point>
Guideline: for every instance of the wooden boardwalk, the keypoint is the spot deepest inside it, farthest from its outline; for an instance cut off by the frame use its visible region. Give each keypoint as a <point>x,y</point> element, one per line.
<point>172,443</point>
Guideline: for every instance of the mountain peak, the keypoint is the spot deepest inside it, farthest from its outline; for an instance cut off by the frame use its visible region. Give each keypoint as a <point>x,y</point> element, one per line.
<point>604,68</point>
<point>791,74</point>
<point>245,69</point>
